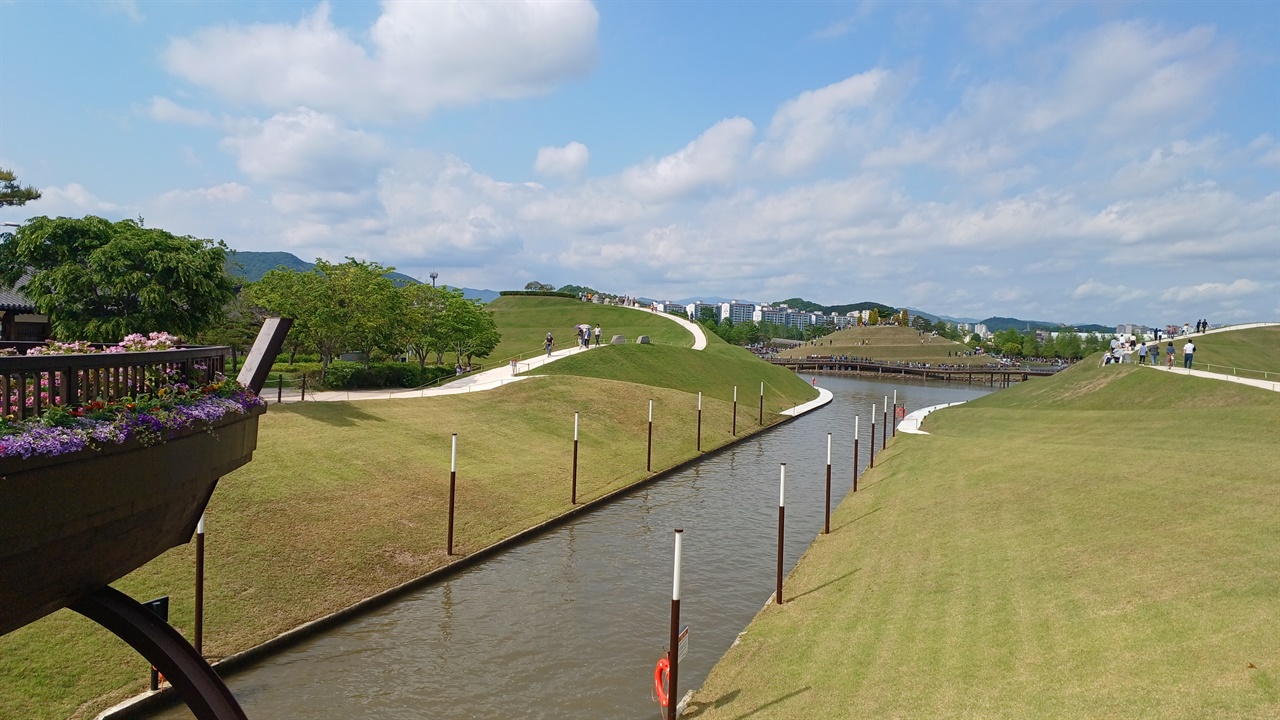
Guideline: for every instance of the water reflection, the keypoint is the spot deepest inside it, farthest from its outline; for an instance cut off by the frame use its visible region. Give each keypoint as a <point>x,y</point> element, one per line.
<point>570,625</point>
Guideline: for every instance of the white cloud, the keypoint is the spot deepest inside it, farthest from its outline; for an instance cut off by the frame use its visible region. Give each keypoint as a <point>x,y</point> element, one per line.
<point>166,110</point>
<point>230,192</point>
<point>307,149</point>
<point>1205,292</point>
<point>1267,149</point>
<point>568,162</point>
<point>421,56</point>
<point>807,127</point>
<point>70,199</point>
<point>712,159</point>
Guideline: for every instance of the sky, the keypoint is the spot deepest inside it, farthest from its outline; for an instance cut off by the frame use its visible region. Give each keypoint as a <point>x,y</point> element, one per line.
<point>1075,162</point>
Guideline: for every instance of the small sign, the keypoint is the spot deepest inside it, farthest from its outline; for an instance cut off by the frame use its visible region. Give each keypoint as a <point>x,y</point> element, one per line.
<point>683,643</point>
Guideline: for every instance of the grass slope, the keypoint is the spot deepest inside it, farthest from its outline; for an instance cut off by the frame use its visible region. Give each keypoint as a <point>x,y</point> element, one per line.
<point>525,321</point>
<point>1239,351</point>
<point>344,500</point>
<point>888,343</point>
<point>1098,544</point>
<point>713,371</point>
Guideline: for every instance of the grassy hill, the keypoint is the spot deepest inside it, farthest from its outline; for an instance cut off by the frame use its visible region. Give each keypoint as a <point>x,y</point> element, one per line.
<point>524,322</point>
<point>890,344</point>
<point>1098,544</point>
<point>1245,352</point>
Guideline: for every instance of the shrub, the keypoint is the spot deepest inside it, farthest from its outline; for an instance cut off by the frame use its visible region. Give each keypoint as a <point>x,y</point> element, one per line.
<point>351,376</point>
<point>540,293</point>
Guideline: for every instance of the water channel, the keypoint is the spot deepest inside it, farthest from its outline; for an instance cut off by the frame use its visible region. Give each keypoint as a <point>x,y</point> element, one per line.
<point>569,625</point>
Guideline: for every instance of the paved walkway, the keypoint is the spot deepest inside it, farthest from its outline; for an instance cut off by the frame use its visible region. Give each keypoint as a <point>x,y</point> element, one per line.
<point>1272,385</point>
<point>489,379</point>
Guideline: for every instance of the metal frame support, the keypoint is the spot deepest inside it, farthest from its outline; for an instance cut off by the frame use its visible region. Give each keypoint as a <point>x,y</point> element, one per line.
<point>201,688</point>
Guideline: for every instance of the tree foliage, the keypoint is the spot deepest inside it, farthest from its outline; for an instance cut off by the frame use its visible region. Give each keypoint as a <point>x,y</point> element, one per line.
<point>100,281</point>
<point>535,285</point>
<point>12,194</point>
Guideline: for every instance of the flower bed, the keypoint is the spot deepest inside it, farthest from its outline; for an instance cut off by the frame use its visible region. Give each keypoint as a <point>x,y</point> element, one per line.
<point>147,417</point>
<point>147,398</point>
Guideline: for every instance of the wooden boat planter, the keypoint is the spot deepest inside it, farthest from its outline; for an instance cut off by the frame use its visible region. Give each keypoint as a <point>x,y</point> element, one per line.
<point>73,523</point>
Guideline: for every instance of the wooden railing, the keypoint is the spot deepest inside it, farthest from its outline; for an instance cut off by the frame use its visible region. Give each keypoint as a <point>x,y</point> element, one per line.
<point>30,384</point>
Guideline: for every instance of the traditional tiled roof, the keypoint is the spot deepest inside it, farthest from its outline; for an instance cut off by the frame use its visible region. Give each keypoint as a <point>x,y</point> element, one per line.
<point>11,299</point>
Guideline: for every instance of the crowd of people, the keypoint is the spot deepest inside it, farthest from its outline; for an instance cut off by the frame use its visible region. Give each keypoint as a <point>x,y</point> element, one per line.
<point>1124,349</point>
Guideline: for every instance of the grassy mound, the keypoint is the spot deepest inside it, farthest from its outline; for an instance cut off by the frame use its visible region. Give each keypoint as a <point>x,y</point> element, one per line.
<point>1240,352</point>
<point>1097,544</point>
<point>713,372</point>
<point>525,321</point>
<point>888,343</point>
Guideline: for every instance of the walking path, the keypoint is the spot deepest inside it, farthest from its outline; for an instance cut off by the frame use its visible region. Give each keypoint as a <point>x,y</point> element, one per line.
<point>493,378</point>
<point>1264,384</point>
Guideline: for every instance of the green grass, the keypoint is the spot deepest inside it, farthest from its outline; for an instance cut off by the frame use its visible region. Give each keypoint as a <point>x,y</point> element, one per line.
<point>713,371</point>
<point>890,344</point>
<point>525,321</point>
<point>1240,352</point>
<point>1100,544</point>
<point>343,500</point>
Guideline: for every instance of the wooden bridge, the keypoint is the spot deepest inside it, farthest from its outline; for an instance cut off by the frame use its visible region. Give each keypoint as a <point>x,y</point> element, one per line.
<point>1000,375</point>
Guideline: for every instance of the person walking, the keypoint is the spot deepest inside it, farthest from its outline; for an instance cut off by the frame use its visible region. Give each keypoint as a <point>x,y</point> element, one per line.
<point>1142,354</point>
<point>549,342</point>
<point>597,332</point>
<point>1187,351</point>
<point>1170,352</point>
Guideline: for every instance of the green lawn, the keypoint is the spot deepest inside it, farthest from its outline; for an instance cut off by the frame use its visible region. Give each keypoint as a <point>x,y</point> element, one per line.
<point>344,500</point>
<point>713,371</point>
<point>1240,352</point>
<point>890,344</point>
<point>1100,544</point>
<point>524,322</point>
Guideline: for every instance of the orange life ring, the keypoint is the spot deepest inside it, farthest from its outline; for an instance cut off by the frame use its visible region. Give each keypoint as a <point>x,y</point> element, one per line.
<point>661,673</point>
<point>902,412</point>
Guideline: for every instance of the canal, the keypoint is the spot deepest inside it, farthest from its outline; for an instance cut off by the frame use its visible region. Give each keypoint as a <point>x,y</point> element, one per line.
<point>570,624</point>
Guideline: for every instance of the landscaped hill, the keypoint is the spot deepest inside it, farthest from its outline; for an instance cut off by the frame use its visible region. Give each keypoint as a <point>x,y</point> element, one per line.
<point>1244,352</point>
<point>525,320</point>
<point>807,306</point>
<point>889,343</point>
<point>1098,544</point>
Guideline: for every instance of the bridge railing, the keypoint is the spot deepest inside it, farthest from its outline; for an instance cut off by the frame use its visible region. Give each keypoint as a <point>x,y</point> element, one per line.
<point>31,384</point>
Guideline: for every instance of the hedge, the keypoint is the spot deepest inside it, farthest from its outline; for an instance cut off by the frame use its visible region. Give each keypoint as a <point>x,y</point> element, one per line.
<point>343,375</point>
<point>541,293</point>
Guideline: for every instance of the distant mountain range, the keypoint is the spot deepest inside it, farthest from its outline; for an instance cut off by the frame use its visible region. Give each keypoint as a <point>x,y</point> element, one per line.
<point>250,266</point>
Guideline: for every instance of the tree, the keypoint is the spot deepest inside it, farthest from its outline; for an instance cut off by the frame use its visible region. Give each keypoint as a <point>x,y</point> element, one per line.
<point>100,281</point>
<point>239,327</point>
<point>873,317</point>
<point>708,317</point>
<point>12,194</point>
<point>299,295</point>
<point>368,304</point>
<point>421,325</point>
<point>535,285</point>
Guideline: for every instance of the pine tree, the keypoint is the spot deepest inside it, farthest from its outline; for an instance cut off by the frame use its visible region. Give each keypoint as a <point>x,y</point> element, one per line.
<point>13,194</point>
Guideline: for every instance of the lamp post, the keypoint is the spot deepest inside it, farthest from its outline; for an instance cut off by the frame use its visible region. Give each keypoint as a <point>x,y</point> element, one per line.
<point>433,275</point>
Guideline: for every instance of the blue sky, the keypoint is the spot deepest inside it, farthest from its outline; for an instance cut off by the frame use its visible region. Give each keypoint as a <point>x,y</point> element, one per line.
<point>1080,162</point>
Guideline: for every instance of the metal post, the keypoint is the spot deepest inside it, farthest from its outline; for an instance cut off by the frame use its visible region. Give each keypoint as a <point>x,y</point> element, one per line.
<point>855,453</point>
<point>826,522</point>
<point>453,480</point>
<point>199,630</point>
<point>672,683</point>
<point>573,493</point>
<point>280,390</point>
<point>871,462</point>
<point>648,463</point>
<point>762,404</point>
<point>735,411</point>
<point>304,388</point>
<point>894,415</point>
<point>884,433</point>
<point>782,517</point>
<point>699,421</point>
